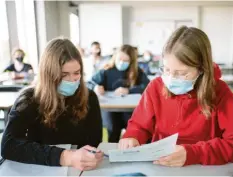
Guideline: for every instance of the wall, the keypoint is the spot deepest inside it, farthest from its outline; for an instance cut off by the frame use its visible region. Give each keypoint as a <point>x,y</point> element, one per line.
<point>165,13</point>
<point>52,21</point>
<point>215,19</point>
<point>217,23</point>
<point>57,19</point>
<point>63,18</point>
<point>126,18</point>
<point>103,23</point>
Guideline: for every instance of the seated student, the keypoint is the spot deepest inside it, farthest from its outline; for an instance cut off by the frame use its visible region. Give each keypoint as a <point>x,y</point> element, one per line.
<point>145,61</point>
<point>123,76</point>
<point>189,98</point>
<point>94,62</point>
<point>58,110</point>
<point>19,69</point>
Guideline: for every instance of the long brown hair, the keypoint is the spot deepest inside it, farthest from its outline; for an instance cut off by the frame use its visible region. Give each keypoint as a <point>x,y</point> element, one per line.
<point>132,71</point>
<point>192,47</point>
<point>51,103</point>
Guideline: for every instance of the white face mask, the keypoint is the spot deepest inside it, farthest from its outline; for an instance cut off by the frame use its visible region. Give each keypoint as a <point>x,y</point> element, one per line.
<point>147,58</point>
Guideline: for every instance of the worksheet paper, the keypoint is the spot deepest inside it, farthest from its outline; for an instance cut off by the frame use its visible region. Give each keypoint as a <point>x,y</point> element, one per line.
<point>148,152</point>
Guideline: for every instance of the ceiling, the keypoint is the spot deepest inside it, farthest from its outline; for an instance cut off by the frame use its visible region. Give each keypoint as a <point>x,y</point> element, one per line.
<point>158,3</point>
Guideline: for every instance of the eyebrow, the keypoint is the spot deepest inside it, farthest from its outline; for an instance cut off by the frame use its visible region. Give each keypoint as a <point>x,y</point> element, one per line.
<point>64,72</point>
<point>182,70</point>
<point>178,70</point>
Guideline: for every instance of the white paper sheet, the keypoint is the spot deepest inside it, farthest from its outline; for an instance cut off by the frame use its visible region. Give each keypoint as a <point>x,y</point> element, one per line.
<point>148,152</point>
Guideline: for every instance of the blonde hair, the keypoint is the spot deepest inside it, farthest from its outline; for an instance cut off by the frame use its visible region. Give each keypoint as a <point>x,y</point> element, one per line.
<point>18,50</point>
<point>132,72</point>
<point>51,103</point>
<point>192,47</point>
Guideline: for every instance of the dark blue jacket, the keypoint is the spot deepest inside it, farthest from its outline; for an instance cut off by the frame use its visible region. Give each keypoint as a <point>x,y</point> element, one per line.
<point>112,79</point>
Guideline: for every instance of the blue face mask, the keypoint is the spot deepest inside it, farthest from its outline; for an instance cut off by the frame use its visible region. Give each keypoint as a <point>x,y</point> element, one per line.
<point>67,88</point>
<point>178,86</point>
<point>122,65</point>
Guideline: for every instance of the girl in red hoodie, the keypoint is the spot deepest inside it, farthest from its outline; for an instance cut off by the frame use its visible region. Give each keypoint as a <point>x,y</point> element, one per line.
<point>189,99</point>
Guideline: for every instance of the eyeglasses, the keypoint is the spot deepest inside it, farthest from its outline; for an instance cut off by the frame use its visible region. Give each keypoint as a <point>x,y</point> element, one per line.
<point>177,74</point>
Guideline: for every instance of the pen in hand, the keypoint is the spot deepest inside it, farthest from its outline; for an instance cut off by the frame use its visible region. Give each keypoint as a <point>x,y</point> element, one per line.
<point>105,155</point>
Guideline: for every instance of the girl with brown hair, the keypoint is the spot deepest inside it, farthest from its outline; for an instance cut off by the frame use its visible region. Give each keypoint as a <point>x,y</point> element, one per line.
<point>123,76</point>
<point>58,110</point>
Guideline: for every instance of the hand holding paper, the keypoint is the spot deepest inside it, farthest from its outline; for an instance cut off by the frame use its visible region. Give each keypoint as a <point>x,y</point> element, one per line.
<point>176,159</point>
<point>127,143</point>
<point>148,152</point>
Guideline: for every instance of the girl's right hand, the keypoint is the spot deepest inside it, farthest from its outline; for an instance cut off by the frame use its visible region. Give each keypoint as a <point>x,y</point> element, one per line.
<point>82,159</point>
<point>127,143</point>
<point>99,90</point>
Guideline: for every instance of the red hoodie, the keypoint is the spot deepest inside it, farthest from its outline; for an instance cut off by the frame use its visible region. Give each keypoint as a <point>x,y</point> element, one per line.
<point>207,141</point>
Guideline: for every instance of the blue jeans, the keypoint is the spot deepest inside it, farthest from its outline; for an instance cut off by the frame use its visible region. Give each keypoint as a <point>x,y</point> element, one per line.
<point>115,122</point>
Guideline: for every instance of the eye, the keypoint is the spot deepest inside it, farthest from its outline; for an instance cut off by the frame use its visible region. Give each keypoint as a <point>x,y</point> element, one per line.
<point>77,73</point>
<point>183,73</point>
<point>64,74</point>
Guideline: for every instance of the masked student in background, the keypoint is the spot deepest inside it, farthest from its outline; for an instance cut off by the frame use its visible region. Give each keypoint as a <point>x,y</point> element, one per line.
<point>58,110</point>
<point>189,98</point>
<point>19,69</point>
<point>123,76</point>
<point>145,61</point>
<point>94,62</point>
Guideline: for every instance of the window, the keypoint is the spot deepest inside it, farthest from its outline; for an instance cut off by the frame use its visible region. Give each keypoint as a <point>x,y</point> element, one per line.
<point>26,25</point>
<point>74,28</point>
<point>4,37</point>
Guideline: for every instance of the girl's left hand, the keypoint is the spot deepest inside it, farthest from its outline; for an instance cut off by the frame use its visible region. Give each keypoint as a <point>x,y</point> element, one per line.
<point>122,91</point>
<point>176,159</point>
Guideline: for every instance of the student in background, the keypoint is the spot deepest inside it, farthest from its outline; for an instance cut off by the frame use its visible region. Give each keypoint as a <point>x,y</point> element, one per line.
<point>123,76</point>
<point>94,62</point>
<point>189,98</point>
<point>19,69</point>
<point>58,110</point>
<point>145,62</point>
<point>147,56</point>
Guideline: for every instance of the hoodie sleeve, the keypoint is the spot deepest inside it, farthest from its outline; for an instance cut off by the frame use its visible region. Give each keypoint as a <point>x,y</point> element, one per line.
<point>218,150</point>
<point>15,144</point>
<point>98,78</point>
<point>144,81</point>
<point>141,124</point>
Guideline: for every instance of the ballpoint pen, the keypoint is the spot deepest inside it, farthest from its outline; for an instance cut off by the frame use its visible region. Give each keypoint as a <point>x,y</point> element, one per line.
<point>105,155</point>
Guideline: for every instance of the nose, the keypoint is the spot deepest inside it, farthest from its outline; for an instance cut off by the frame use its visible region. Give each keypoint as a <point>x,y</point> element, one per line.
<point>73,78</point>
<point>121,60</point>
<point>172,74</point>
